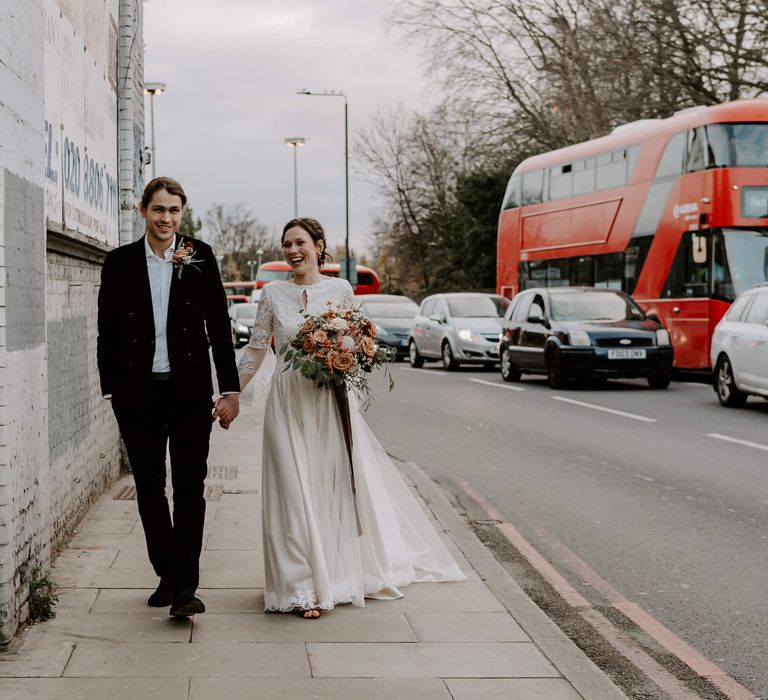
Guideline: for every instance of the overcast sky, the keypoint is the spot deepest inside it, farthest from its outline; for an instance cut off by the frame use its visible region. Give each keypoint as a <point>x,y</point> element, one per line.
<point>232,69</point>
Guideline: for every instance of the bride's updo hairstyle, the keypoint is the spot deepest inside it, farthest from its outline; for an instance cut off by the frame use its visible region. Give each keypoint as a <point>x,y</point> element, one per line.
<point>315,231</point>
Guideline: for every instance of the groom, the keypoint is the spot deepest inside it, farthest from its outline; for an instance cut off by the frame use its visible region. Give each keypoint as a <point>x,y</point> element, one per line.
<point>160,304</point>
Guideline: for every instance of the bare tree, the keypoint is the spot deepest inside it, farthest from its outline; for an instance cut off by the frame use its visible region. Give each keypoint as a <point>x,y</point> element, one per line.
<point>237,234</point>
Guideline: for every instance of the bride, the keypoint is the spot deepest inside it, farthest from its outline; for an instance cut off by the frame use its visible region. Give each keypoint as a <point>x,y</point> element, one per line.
<point>325,544</point>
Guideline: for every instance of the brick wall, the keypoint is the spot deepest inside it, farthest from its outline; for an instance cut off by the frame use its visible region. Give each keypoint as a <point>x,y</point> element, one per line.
<point>59,445</point>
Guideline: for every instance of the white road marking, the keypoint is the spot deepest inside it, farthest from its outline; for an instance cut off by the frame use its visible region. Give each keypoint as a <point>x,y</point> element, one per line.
<point>425,373</point>
<point>595,407</point>
<point>496,384</point>
<point>746,443</point>
<point>644,478</point>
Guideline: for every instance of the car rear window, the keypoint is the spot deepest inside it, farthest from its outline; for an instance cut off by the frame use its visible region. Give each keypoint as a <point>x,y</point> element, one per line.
<point>593,306</point>
<point>758,312</point>
<point>472,307</point>
<point>738,306</point>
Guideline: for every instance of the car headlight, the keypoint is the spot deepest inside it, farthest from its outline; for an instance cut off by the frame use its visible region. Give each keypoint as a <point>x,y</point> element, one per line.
<point>466,334</point>
<point>242,329</point>
<point>579,338</point>
<point>662,337</point>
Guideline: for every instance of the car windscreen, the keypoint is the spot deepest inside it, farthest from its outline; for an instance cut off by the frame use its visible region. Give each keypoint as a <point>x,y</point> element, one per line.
<point>391,309</point>
<point>472,307</point>
<point>246,310</point>
<point>593,306</point>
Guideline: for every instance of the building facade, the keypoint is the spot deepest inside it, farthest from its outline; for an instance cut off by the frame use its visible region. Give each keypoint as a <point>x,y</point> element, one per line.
<point>71,144</point>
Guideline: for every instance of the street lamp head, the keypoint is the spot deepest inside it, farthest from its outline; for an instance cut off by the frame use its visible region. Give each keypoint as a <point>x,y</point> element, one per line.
<point>304,92</point>
<point>295,141</point>
<point>154,88</point>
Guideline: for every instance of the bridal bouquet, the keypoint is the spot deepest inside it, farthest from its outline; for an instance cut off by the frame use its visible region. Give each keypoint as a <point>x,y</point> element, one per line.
<point>336,349</point>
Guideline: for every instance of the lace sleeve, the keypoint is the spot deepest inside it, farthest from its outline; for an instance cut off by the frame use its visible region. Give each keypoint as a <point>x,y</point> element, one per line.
<point>348,300</point>
<point>260,342</point>
<point>263,325</point>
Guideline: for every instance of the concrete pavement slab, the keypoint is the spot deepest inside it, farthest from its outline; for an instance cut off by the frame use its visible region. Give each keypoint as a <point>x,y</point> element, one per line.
<point>451,626</point>
<point>237,540</point>
<point>148,660</point>
<point>512,689</point>
<point>226,600</point>
<point>445,660</point>
<point>92,688</point>
<point>361,626</point>
<point>157,626</point>
<point>462,596</point>
<point>318,689</point>
<point>40,656</point>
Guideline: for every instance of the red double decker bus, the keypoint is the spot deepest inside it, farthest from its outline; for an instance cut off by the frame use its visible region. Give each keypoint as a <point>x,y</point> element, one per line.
<point>672,211</point>
<point>367,280</point>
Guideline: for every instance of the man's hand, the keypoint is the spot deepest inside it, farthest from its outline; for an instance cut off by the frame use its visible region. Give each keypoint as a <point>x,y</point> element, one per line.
<point>226,409</point>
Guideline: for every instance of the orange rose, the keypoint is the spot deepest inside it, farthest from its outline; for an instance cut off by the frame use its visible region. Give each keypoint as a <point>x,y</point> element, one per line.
<point>369,347</point>
<point>343,362</point>
<point>309,344</point>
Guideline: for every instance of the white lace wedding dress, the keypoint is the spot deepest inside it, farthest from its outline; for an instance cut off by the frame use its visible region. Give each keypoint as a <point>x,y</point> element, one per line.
<point>313,554</point>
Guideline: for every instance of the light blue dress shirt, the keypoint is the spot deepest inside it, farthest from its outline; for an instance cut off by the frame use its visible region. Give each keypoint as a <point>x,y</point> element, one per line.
<point>160,275</point>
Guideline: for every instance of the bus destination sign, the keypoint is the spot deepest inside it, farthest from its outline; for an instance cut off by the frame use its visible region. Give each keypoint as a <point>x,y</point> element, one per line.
<point>754,202</point>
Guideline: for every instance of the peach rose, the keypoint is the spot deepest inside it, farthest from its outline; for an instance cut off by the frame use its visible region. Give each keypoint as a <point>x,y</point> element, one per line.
<point>369,347</point>
<point>343,362</point>
<point>319,336</point>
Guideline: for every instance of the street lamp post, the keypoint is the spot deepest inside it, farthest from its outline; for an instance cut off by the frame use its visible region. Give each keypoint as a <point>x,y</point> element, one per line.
<point>153,89</point>
<point>250,267</point>
<point>296,142</point>
<point>259,253</point>
<point>333,93</point>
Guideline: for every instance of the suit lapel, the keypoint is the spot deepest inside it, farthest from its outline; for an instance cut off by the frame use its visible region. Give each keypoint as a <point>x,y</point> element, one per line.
<point>143,290</point>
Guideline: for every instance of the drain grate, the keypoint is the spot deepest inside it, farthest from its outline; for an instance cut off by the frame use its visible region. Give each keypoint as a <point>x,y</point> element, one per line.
<point>125,493</point>
<point>219,471</point>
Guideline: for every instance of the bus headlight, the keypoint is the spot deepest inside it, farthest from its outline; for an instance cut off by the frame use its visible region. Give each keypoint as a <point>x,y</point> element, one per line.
<point>662,337</point>
<point>579,338</point>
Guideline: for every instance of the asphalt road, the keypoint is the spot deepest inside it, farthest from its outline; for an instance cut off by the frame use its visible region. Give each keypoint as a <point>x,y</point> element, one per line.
<point>658,498</point>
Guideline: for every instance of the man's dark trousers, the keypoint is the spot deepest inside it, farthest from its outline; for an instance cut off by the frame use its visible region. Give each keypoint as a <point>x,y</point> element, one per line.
<point>173,545</point>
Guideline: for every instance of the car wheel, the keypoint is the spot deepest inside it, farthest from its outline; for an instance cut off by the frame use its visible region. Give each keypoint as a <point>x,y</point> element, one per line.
<point>727,392</point>
<point>449,361</point>
<point>414,357</point>
<point>509,373</point>
<point>661,379</point>
<point>556,376</point>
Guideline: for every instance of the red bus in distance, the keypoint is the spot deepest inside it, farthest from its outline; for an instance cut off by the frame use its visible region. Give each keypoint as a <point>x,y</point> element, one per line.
<point>672,211</point>
<point>367,280</point>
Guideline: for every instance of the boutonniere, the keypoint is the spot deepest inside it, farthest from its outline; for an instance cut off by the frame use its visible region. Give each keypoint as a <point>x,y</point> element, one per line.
<point>183,256</point>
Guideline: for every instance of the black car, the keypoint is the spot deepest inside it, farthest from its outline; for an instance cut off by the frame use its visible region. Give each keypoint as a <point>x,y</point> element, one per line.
<point>393,315</point>
<point>582,332</point>
<point>241,318</point>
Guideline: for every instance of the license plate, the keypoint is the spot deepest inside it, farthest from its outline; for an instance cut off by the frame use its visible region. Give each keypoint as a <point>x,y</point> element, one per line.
<point>626,354</point>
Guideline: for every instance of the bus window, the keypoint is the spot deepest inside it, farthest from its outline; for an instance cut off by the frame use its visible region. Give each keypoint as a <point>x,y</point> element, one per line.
<point>612,172</point>
<point>695,151</point>
<point>584,176</point>
<point>583,271</point>
<point>512,195</point>
<point>632,153</point>
<point>609,270</point>
<point>532,187</point>
<point>737,145</point>
<point>560,181</point>
<point>687,278</point>
<point>722,285</point>
<point>634,259</point>
<point>747,255</point>
<point>671,162</point>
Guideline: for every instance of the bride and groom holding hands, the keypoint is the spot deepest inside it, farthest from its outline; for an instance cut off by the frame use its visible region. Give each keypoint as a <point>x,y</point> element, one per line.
<point>328,539</point>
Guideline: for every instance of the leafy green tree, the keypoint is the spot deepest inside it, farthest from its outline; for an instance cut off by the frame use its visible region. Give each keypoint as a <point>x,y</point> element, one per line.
<point>190,226</point>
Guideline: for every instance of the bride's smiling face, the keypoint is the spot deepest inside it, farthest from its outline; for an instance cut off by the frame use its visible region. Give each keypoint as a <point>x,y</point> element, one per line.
<point>301,251</point>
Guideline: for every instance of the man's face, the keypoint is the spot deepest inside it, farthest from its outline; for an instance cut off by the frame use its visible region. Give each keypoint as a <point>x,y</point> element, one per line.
<point>163,217</point>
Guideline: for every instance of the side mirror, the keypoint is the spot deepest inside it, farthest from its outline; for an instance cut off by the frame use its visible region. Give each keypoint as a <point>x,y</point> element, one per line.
<point>653,316</point>
<point>437,318</point>
<point>537,319</point>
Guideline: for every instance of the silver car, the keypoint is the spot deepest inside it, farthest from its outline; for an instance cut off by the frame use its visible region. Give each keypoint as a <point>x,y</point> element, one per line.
<point>457,328</point>
<point>739,349</point>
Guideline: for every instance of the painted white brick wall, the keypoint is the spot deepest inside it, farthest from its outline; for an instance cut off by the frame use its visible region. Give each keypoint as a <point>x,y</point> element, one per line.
<point>59,443</point>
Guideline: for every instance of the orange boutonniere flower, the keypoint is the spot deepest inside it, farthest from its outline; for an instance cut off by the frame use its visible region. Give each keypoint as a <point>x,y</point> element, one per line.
<point>184,256</point>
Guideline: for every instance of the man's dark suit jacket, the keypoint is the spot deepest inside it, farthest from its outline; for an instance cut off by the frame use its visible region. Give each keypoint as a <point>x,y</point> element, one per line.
<point>197,313</point>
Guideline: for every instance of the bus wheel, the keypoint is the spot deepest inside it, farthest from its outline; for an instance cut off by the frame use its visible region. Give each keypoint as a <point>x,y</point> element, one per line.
<point>449,361</point>
<point>556,376</point>
<point>727,392</point>
<point>509,373</point>
<point>414,357</point>
<point>660,380</point>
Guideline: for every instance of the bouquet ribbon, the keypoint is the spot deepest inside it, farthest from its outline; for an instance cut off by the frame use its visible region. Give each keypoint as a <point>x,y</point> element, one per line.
<point>342,403</point>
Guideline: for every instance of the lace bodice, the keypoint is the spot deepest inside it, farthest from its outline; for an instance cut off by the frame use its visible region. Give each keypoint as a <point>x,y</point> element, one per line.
<point>282,308</point>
